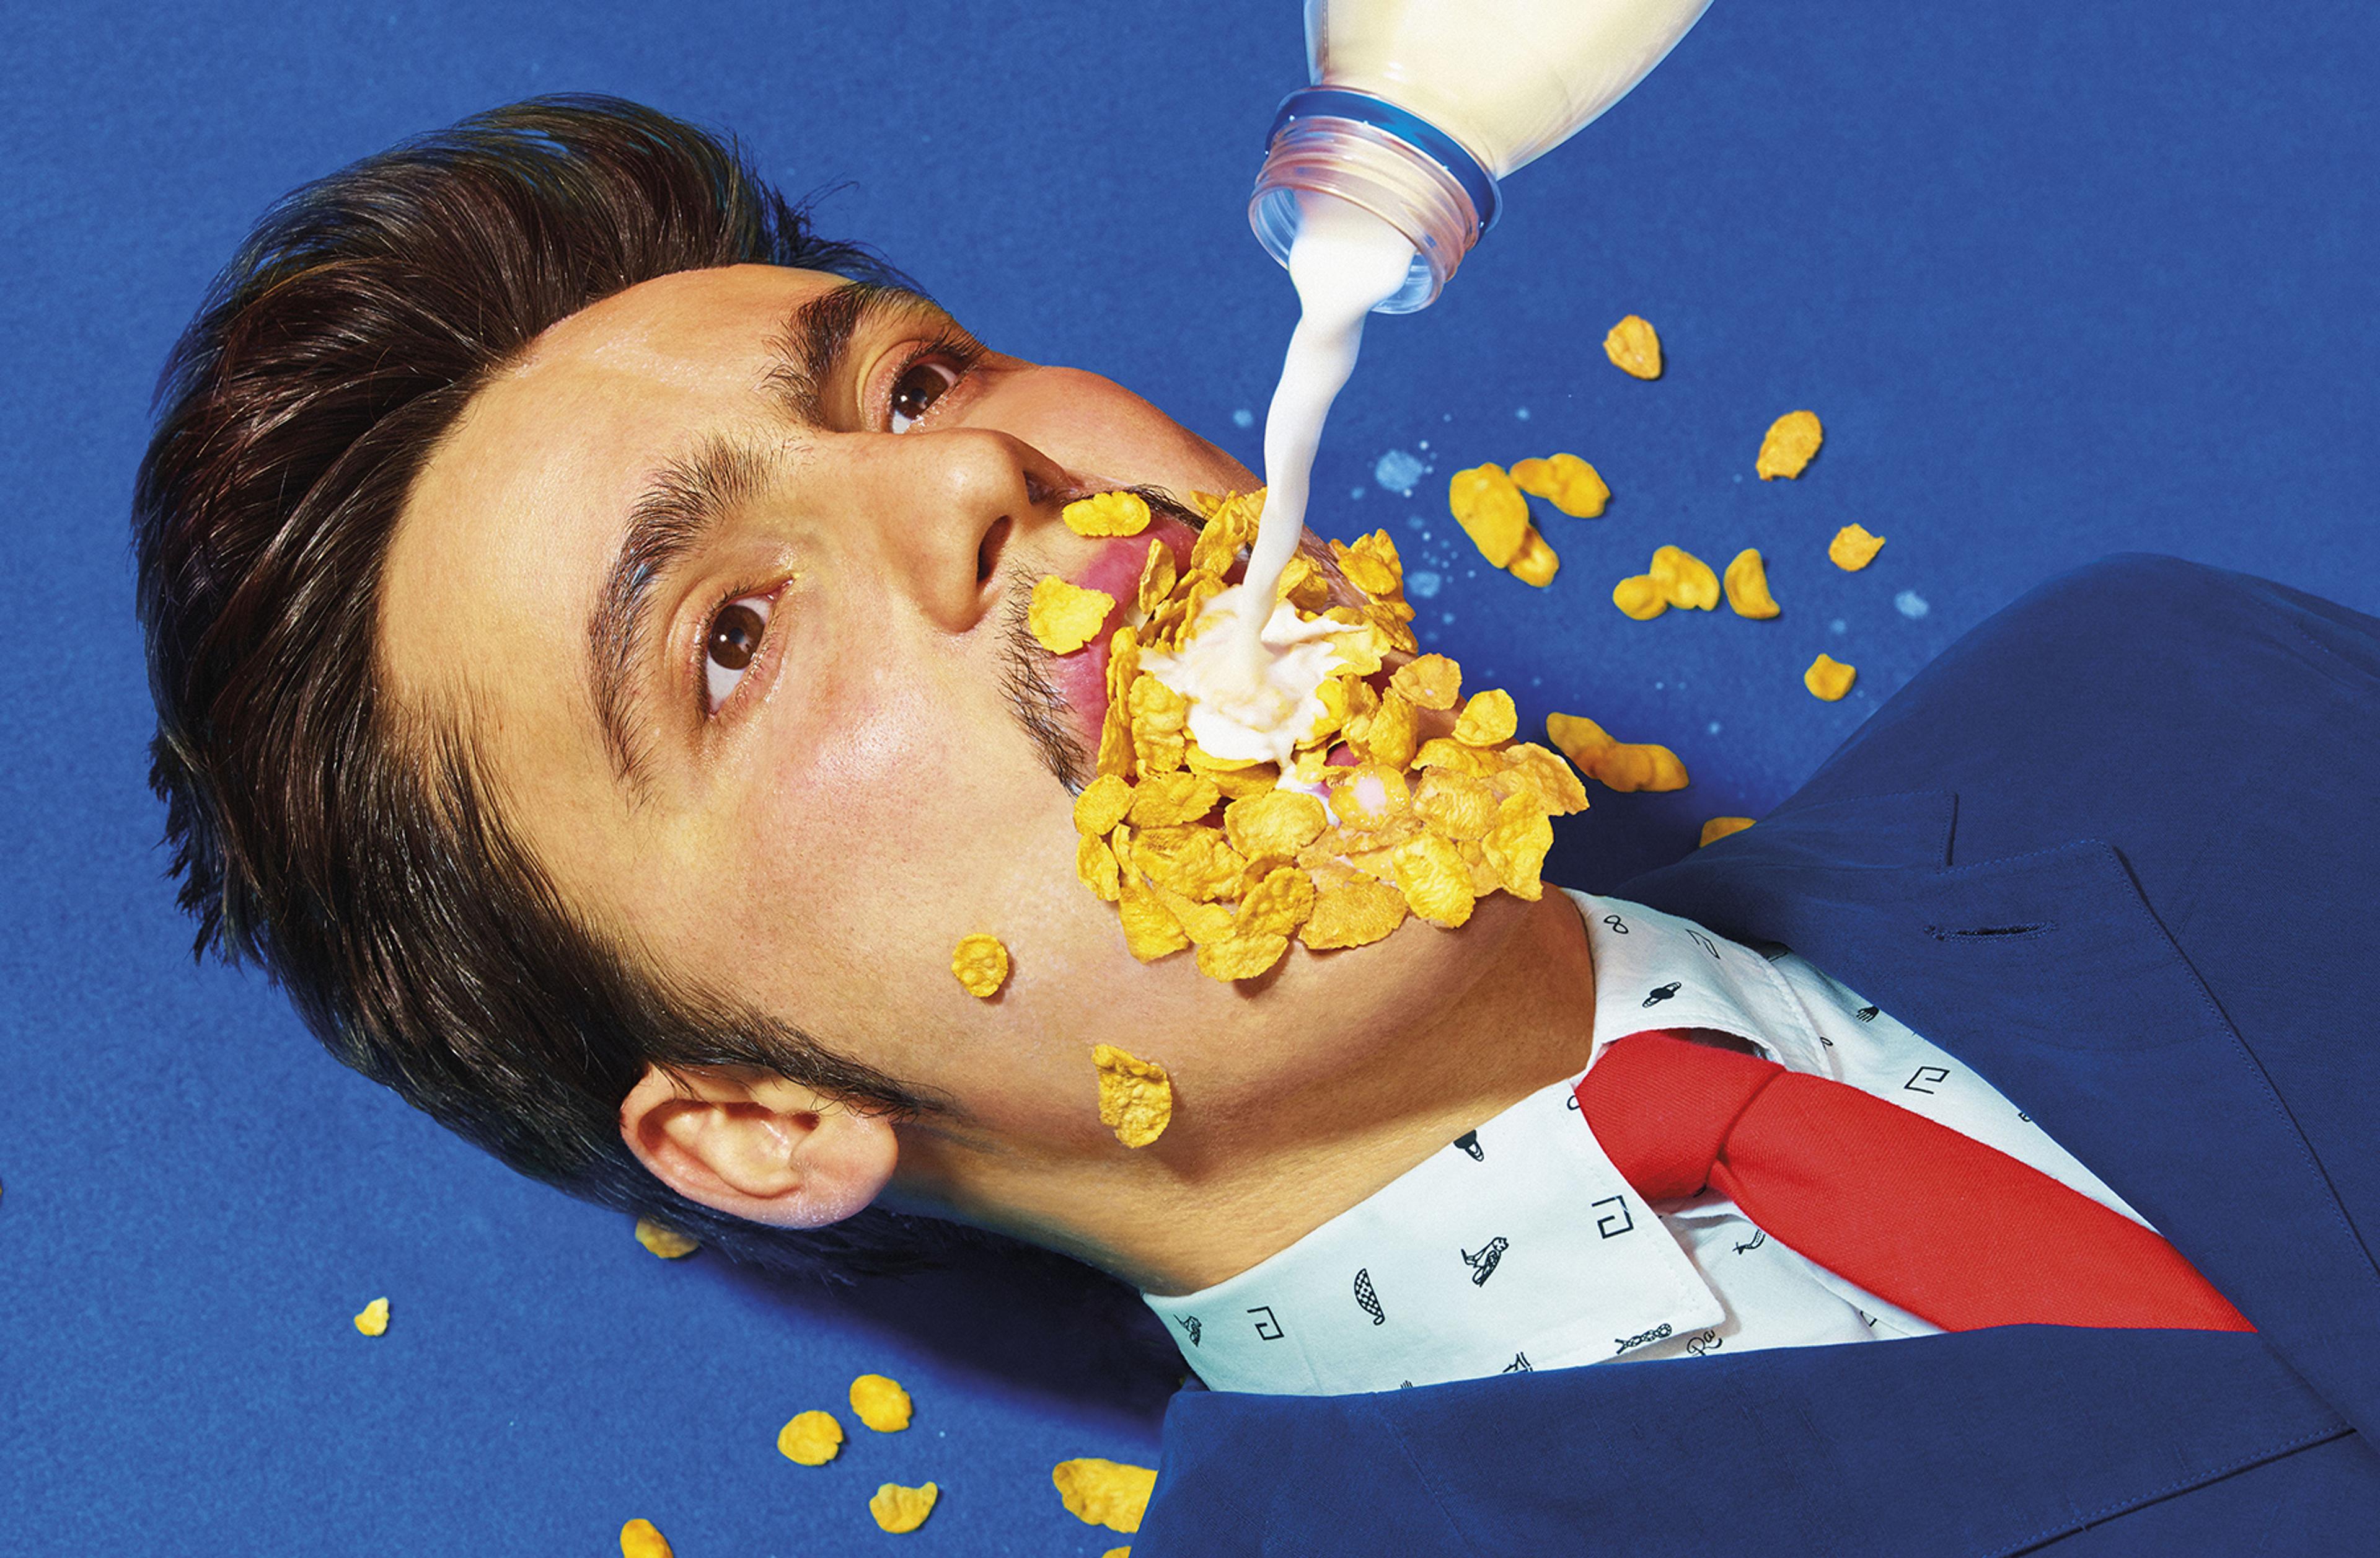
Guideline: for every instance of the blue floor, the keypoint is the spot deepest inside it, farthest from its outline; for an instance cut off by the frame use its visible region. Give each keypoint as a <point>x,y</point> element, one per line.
<point>2061,280</point>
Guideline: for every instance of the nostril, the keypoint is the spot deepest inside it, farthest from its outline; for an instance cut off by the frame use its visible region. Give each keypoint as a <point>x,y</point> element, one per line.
<point>987,553</point>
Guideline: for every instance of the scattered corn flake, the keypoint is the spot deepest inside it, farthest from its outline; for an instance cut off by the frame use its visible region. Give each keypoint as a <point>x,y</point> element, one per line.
<point>880,1403</point>
<point>980,963</point>
<point>666,1242</point>
<point>639,1539</point>
<point>1487,719</point>
<point>1276,822</point>
<point>373,1320</point>
<point>1242,957</point>
<point>1429,681</point>
<point>1125,1551</point>
<point>1747,586</point>
<point>1685,579</point>
<point>1136,1101</point>
<point>811,1438</point>
<point>1640,765</point>
<point>1579,738</point>
<point>1491,511</point>
<point>1828,678</point>
<point>1107,514</point>
<point>1167,799</point>
<point>1853,548</point>
<point>1157,576</point>
<point>1065,616</point>
<point>901,1509</point>
<point>1640,596</point>
<point>1102,1492</point>
<point>1103,804</point>
<point>1719,827</point>
<point>1536,563</point>
<point>1350,909</point>
<point>1430,873</point>
<point>1096,864</point>
<point>1790,441</point>
<point>1566,482</point>
<point>1515,847</point>
<point>1634,347</point>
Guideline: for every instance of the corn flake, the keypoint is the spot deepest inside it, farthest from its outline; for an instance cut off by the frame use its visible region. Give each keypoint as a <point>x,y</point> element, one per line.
<point>1487,719</point>
<point>1790,441</point>
<point>1566,482</point>
<point>1580,739</point>
<point>1242,957</point>
<point>1828,678</point>
<point>1157,576</point>
<point>1275,822</point>
<point>1193,860</point>
<point>373,1320</point>
<point>1491,511</point>
<point>1065,616</point>
<point>1394,734</point>
<point>1685,579</point>
<point>1430,681</point>
<point>811,1438</point>
<point>981,965</point>
<point>639,1539</point>
<point>1304,584</point>
<point>1350,909</point>
<point>1634,765</point>
<point>1747,586</point>
<point>1371,565</point>
<point>1719,827</point>
<point>1277,905</point>
<point>1458,806</point>
<point>1853,549</point>
<point>1530,770</point>
<point>1640,596</point>
<point>1103,804</point>
<point>1096,864</point>
<point>1136,1101</point>
<point>903,1509</point>
<point>1444,752</point>
<point>1167,800</point>
<point>667,1243</point>
<point>1107,514</point>
<point>1634,348</point>
<point>1515,847</point>
<point>1536,563</point>
<point>1436,882</point>
<point>1158,716</point>
<point>1102,1492</point>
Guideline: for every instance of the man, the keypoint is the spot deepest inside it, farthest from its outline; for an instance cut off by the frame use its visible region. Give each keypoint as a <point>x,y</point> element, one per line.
<point>585,615</point>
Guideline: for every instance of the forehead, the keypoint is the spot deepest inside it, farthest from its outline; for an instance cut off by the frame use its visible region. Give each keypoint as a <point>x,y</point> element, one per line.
<point>514,514</point>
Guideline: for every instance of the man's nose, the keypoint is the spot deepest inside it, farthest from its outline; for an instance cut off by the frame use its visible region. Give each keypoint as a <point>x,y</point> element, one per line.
<point>948,504</point>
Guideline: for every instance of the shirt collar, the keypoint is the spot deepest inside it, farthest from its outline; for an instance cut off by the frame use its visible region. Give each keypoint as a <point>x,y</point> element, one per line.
<point>1517,1246</point>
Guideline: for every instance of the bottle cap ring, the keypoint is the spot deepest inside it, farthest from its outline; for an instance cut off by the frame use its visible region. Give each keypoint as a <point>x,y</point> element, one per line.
<point>1342,103</point>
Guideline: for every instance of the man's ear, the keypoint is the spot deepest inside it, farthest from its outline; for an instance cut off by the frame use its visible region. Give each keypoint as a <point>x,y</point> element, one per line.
<point>754,1145</point>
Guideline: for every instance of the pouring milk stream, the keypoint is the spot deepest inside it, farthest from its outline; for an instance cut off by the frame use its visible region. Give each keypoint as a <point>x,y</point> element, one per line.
<point>1379,178</point>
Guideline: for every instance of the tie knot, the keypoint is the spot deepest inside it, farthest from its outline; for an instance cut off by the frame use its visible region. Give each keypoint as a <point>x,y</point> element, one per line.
<point>1661,1106</point>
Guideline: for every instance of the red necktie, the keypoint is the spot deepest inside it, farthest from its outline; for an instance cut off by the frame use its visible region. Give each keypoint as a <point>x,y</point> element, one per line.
<point>1914,1211</point>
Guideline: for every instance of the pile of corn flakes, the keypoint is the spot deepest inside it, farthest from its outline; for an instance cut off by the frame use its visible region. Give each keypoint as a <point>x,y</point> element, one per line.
<point>1235,859</point>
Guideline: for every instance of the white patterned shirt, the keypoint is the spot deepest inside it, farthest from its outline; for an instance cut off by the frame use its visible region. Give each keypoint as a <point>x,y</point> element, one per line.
<point>1519,1246</point>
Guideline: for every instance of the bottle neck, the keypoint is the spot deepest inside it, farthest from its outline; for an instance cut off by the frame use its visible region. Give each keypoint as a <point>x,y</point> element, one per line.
<point>1371,154</point>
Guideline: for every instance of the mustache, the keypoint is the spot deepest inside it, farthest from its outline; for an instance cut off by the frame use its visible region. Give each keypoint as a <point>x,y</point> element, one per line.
<point>1040,709</point>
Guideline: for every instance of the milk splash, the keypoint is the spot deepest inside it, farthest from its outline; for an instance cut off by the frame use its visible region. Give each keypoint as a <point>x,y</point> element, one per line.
<point>1252,678</point>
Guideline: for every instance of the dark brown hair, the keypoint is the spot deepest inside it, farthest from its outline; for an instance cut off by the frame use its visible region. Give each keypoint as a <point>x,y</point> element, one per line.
<point>349,846</point>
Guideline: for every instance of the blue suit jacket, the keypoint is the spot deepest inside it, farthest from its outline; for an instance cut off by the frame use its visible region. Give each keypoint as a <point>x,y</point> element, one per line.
<point>2119,849</point>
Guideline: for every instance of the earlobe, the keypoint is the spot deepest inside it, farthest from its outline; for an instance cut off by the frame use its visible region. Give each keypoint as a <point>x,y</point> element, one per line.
<point>758,1146</point>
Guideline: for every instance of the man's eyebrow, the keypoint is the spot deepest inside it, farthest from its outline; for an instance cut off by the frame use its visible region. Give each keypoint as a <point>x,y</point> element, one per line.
<point>683,503</point>
<point>807,357</point>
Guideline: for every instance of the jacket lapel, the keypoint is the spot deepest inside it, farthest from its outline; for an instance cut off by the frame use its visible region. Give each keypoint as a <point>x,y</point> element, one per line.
<point>2049,974</point>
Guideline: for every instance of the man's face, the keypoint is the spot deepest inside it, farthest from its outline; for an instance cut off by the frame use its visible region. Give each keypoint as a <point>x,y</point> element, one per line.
<point>724,581</point>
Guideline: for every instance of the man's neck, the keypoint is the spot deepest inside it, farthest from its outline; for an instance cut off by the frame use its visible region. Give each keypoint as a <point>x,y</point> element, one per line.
<point>1526,1021</point>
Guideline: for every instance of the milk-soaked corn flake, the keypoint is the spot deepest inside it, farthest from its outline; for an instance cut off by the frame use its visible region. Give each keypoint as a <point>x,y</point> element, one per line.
<point>1136,1101</point>
<point>1790,441</point>
<point>1065,616</point>
<point>1747,586</point>
<point>1719,827</point>
<point>811,1438</point>
<point>1490,510</point>
<point>374,1320</point>
<point>1104,1493</point>
<point>880,1403</point>
<point>981,965</point>
<point>639,1539</point>
<point>1107,514</point>
<point>1828,678</point>
<point>1685,579</point>
<point>666,1242</point>
<point>1853,548</point>
<point>1640,596</point>
<point>1634,348</point>
<point>899,1509</point>
<point>1566,482</point>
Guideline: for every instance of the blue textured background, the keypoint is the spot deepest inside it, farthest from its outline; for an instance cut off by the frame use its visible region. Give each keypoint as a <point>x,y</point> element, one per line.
<point>2061,280</point>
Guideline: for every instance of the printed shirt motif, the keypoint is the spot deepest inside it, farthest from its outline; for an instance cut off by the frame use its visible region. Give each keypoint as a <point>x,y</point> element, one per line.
<point>1518,1246</point>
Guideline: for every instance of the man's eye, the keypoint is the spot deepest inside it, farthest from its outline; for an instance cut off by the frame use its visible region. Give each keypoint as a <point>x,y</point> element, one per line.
<point>914,392</point>
<point>733,639</point>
